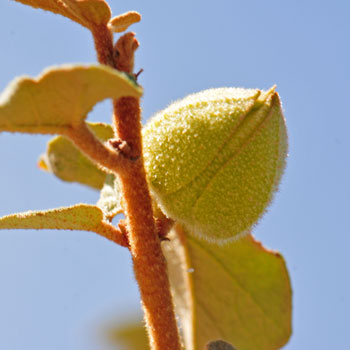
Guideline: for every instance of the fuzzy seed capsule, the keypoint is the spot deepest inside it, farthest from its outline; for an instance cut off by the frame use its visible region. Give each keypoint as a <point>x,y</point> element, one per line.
<point>215,158</point>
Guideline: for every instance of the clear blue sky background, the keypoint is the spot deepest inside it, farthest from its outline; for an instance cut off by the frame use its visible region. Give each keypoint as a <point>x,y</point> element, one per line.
<point>58,289</point>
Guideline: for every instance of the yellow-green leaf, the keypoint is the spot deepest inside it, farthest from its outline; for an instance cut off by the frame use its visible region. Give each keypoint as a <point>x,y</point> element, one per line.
<point>82,217</point>
<point>61,97</point>
<point>68,163</point>
<point>239,292</point>
<point>88,13</point>
<point>110,200</point>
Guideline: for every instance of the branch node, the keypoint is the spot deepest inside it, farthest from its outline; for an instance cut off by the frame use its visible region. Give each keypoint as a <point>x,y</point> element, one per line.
<point>163,227</point>
<point>124,148</point>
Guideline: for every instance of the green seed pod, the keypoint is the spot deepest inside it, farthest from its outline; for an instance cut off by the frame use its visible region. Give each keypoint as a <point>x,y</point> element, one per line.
<point>215,158</point>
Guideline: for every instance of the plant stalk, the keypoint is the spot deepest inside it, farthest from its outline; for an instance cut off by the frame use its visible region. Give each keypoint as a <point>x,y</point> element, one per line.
<point>148,260</point>
<point>97,151</point>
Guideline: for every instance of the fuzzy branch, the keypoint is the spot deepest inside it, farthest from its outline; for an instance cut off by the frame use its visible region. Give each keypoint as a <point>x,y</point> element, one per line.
<point>149,263</point>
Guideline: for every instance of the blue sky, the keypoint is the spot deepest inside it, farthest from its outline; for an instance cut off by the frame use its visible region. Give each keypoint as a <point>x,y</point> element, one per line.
<point>58,289</point>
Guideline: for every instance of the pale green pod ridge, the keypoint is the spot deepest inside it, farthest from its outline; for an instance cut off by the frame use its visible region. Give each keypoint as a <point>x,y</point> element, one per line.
<point>215,158</point>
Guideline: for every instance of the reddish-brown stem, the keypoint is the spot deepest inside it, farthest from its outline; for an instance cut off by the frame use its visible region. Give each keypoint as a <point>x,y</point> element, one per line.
<point>163,227</point>
<point>112,233</point>
<point>149,262</point>
<point>103,39</point>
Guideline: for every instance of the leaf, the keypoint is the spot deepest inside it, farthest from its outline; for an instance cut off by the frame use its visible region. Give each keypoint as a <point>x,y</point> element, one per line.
<point>88,13</point>
<point>239,292</point>
<point>110,198</point>
<point>81,217</point>
<point>68,163</point>
<point>60,98</point>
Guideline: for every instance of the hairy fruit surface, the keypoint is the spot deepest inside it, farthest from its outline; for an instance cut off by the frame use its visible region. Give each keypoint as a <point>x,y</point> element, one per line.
<point>215,158</point>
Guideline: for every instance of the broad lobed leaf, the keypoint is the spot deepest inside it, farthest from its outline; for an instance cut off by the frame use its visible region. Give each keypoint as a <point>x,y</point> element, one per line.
<point>239,292</point>
<point>88,13</point>
<point>60,98</point>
